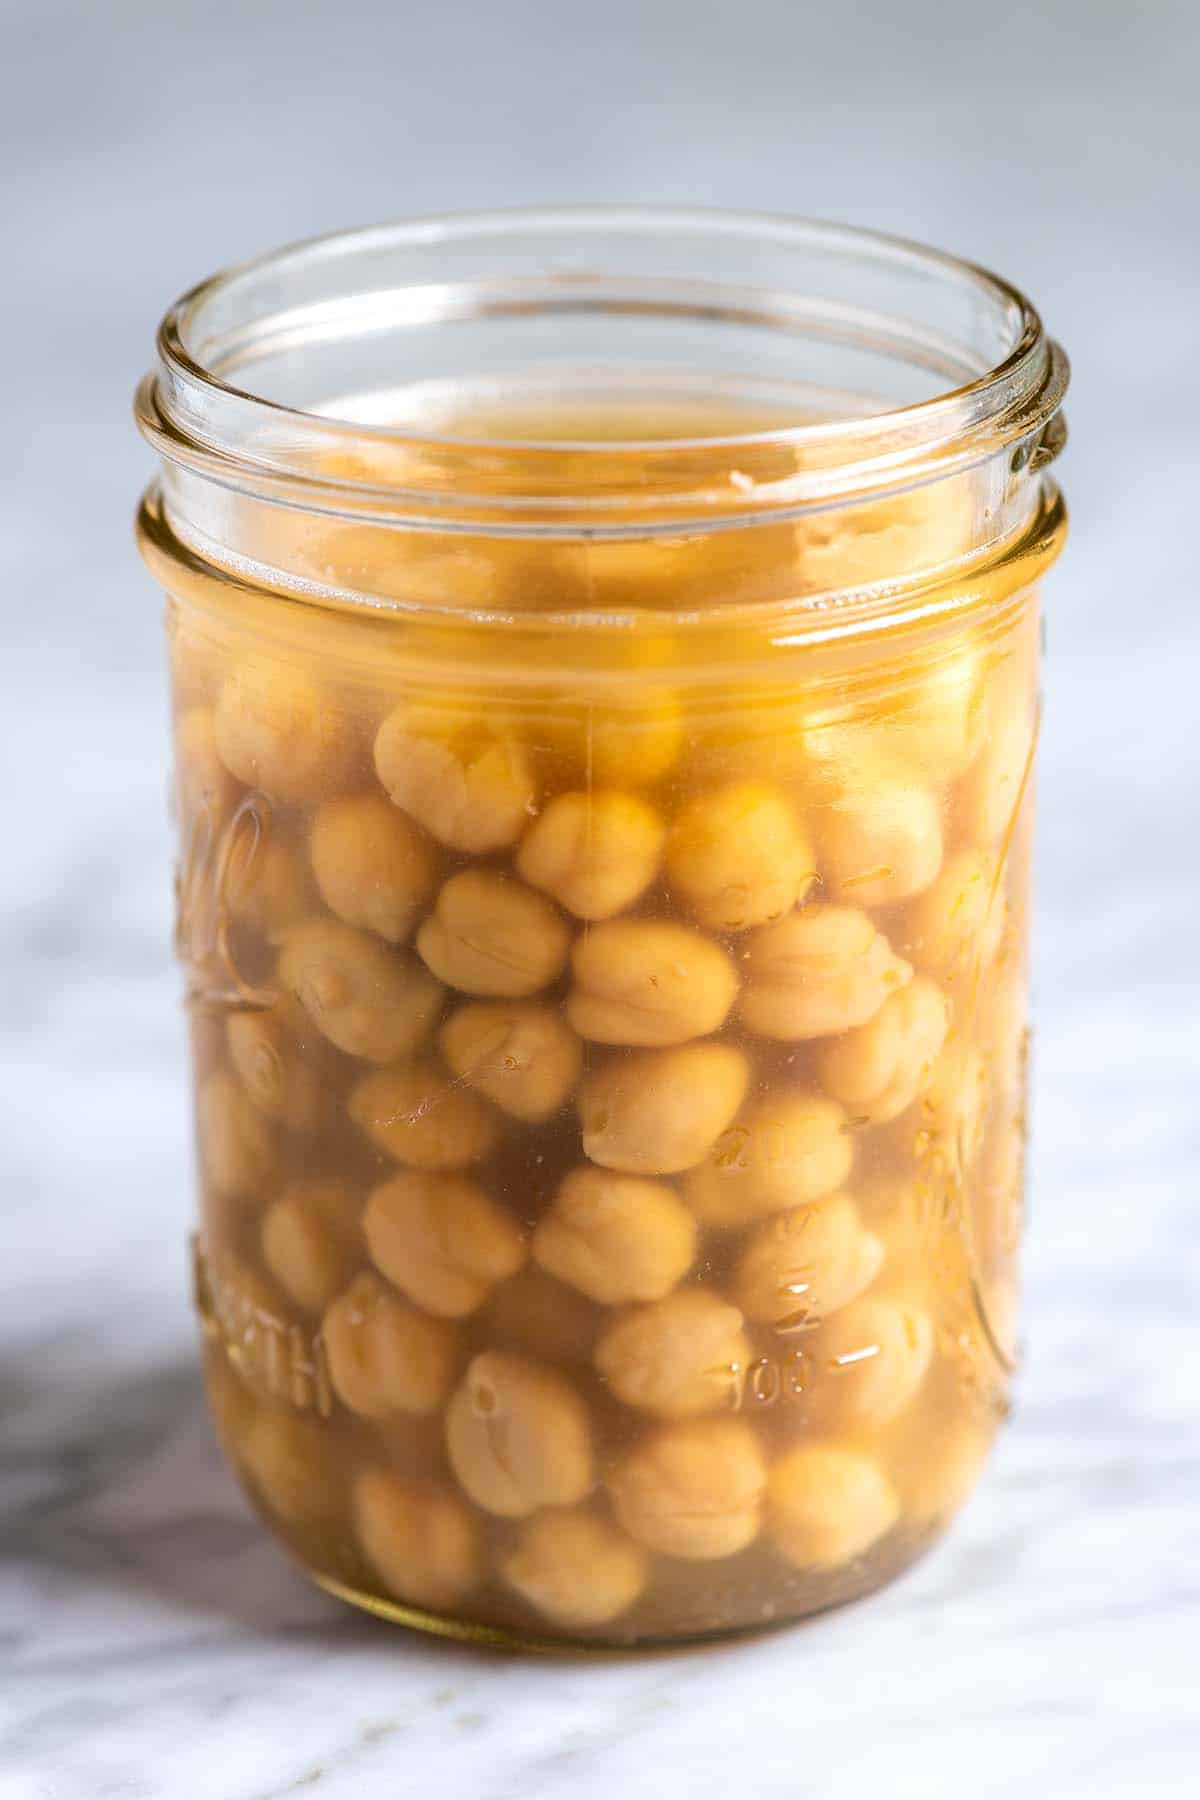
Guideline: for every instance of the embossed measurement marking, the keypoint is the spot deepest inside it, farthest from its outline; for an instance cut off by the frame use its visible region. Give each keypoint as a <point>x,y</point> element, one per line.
<point>287,1360</point>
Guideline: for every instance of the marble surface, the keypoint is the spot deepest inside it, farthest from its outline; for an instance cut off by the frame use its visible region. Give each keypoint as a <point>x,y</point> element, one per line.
<point>153,1643</point>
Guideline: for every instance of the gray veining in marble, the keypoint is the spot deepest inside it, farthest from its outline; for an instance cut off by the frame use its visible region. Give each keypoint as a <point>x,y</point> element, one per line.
<point>152,1641</point>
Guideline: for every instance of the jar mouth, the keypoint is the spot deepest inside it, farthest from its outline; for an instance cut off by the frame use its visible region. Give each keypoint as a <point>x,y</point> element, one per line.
<point>335,375</point>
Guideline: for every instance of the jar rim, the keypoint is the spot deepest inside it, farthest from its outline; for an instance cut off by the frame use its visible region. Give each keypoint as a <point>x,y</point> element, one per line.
<point>197,413</point>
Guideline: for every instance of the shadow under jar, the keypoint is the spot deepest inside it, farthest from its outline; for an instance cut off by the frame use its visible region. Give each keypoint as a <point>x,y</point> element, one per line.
<point>604,650</point>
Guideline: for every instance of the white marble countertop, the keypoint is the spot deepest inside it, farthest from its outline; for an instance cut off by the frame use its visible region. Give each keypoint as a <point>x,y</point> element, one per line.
<point>153,1642</point>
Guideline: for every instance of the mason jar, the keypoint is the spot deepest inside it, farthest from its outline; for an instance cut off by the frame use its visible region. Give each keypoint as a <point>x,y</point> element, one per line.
<point>604,656</point>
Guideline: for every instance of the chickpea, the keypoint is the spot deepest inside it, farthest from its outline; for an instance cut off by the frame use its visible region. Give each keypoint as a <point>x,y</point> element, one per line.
<point>954,1101</point>
<point>989,794</point>
<point>491,935</point>
<point>610,745</point>
<point>422,1542</point>
<point>366,999</point>
<point>441,1240</point>
<point>385,1355</point>
<point>535,1313</point>
<point>955,927</point>
<point>874,1354</point>
<point>739,857</point>
<point>649,983</point>
<point>523,1056</point>
<point>935,1484</point>
<point>800,1266</point>
<point>517,1436</point>
<point>574,1568</point>
<point>693,1490</point>
<point>853,545</point>
<point>675,1357</point>
<point>199,661</point>
<point>594,852</point>
<point>418,1116</point>
<point>267,886</point>
<point>763,739</point>
<point>880,846</point>
<point>295,1468</point>
<point>827,1505</point>
<point>816,972</point>
<point>203,785</point>
<point>616,1238</point>
<point>238,1151</point>
<point>789,1149</point>
<point>283,1083</point>
<point>660,1111</point>
<point>311,1241</point>
<point>470,787</point>
<point>374,867</point>
<point>278,731</point>
<point>878,1069</point>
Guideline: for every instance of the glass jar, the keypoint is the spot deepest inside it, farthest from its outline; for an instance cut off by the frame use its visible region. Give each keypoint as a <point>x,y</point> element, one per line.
<point>605,667</point>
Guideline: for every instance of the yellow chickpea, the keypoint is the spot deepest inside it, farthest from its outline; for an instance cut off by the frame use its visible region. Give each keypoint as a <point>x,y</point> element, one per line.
<point>574,1568</point>
<point>878,1069</point>
<point>649,983</point>
<point>827,1505</point>
<point>955,927</point>
<point>739,858</point>
<point>469,786</point>
<point>661,1111</point>
<point>610,745</point>
<point>366,999</point>
<point>199,661</point>
<point>788,1149</point>
<point>491,935</point>
<point>989,794</point>
<point>518,1437</point>
<point>800,1266</point>
<point>422,1541</point>
<point>203,785</point>
<point>675,1357</point>
<point>763,739</point>
<point>238,1152</point>
<point>954,1101</point>
<point>693,1490</point>
<point>283,1082</point>
<point>882,845</point>
<point>535,1313</point>
<point>873,1355</point>
<point>421,1118</point>
<point>616,1238</point>
<point>374,867</point>
<point>385,1355</point>
<point>441,1240</point>
<point>934,1485</point>
<point>521,1055</point>
<point>280,732</point>
<point>295,1468</point>
<point>311,1241</point>
<point>267,886</point>
<point>816,972</point>
<point>594,852</point>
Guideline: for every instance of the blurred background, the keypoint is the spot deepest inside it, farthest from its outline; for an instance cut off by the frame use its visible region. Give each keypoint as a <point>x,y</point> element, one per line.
<point>144,144</point>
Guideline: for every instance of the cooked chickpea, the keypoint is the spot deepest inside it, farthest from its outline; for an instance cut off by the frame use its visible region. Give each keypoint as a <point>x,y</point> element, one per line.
<point>199,661</point>
<point>616,1238</point>
<point>283,1081</point>
<point>816,972</point>
<point>368,1000</point>
<point>956,925</point>
<point>471,788</point>
<point>954,1100</point>
<point>422,1542</point>
<point>386,1355</point>
<point>238,1152</point>
<point>738,857</point>
<point>873,1353</point>
<point>878,1069</point>
<point>882,845</point>
<point>763,739</point>
<point>800,1266</point>
<point>990,793</point>
<point>311,1241</point>
<point>693,1490</point>
<point>594,852</point>
<point>935,1484</point>
<point>788,1149</point>
<point>574,1568</point>
<point>649,983</point>
<point>675,1357</point>
<point>296,1468</point>
<point>268,887</point>
<point>202,782</point>
<point>441,1240</point>
<point>491,935</point>
<point>610,745</point>
<point>278,731</point>
<point>661,1111</point>
<point>374,867</point>
<point>420,1117</point>
<point>534,1312</point>
<point>517,1436</point>
<point>523,1056</point>
<point>827,1505</point>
